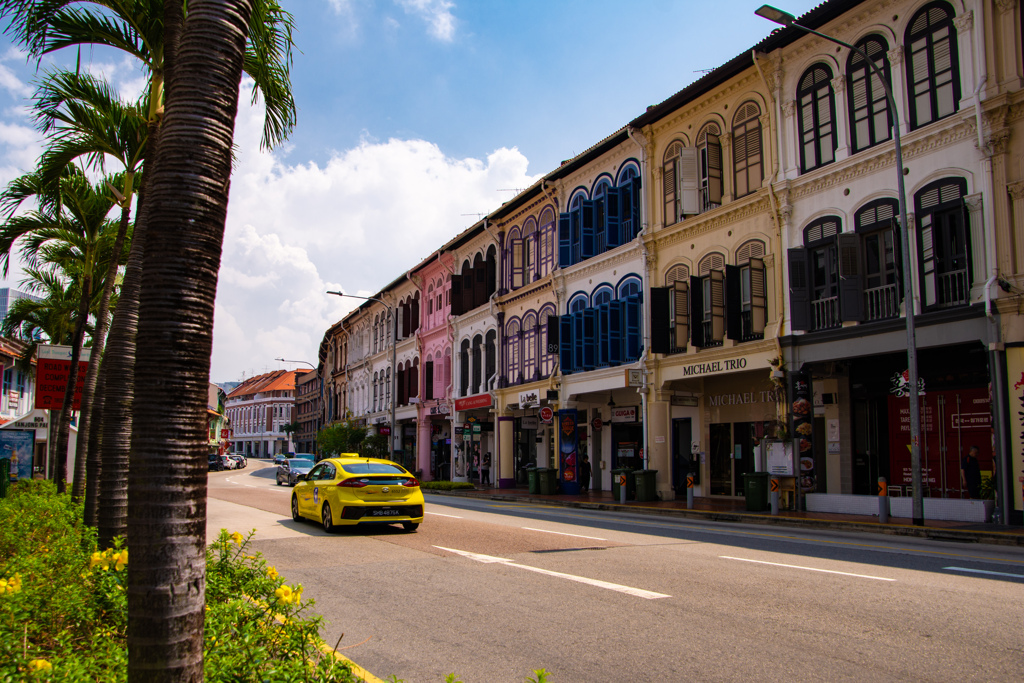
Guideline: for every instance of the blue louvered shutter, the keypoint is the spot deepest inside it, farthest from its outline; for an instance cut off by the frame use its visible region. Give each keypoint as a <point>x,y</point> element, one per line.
<point>612,218</point>
<point>631,312</point>
<point>578,341</point>
<point>565,343</point>
<point>589,338</point>
<point>602,336</point>
<point>564,241</point>
<point>615,342</point>
<point>634,205</point>
<point>625,213</point>
<point>588,241</point>
<point>575,221</point>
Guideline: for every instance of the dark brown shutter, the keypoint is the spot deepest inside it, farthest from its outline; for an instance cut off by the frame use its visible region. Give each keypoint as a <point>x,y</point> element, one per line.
<point>660,315</point>
<point>799,289</point>
<point>851,288</point>
<point>758,296</point>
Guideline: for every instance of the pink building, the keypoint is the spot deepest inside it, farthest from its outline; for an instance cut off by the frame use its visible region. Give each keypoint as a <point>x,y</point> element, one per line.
<point>433,277</point>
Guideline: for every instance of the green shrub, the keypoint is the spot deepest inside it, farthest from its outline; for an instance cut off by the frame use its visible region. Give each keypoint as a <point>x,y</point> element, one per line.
<point>446,485</point>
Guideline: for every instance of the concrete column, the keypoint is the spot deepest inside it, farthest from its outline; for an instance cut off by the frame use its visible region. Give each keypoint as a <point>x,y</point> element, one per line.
<point>506,477</point>
<point>842,131</point>
<point>658,446</point>
<point>423,446</point>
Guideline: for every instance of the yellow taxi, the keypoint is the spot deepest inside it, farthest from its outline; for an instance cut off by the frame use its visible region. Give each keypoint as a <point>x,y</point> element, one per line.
<point>350,490</point>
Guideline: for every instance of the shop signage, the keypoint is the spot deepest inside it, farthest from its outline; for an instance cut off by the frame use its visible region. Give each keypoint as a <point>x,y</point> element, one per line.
<point>899,384</point>
<point>440,409</point>
<point>568,446</point>
<point>634,378</point>
<point>596,423</point>
<point>225,433</point>
<point>530,422</point>
<point>459,431</point>
<point>1015,380</point>
<point>714,367</point>
<point>801,415</point>
<point>32,421</point>
<point>54,367</point>
<point>659,439</point>
<point>624,414</point>
<point>481,401</point>
<point>547,415</point>
<point>743,398</point>
<point>384,429</point>
<point>529,399</point>
<point>477,428</point>
<point>685,401</point>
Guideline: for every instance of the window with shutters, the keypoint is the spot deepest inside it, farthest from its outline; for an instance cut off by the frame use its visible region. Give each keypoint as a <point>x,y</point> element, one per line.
<point>710,148</point>
<point>816,118</point>
<point>678,281</point>
<point>711,290</point>
<point>546,248</point>
<point>747,158</point>
<point>376,384</point>
<point>548,348</point>
<point>478,361</point>
<point>387,389</point>
<point>933,70</point>
<point>528,348</point>
<point>944,247</point>
<point>670,182</point>
<point>746,293</point>
<point>578,302</point>
<point>823,274</point>
<point>376,326</point>
<point>592,226</point>
<point>602,213</point>
<point>876,224</point>
<point>513,342</point>
<point>490,359</point>
<point>464,372</point>
<point>514,259</point>
<point>870,119</point>
<point>529,250</point>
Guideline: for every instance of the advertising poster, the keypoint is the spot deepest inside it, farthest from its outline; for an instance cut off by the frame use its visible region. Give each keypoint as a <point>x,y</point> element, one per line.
<point>802,418</point>
<point>568,450</point>
<point>1015,383</point>
<point>18,445</point>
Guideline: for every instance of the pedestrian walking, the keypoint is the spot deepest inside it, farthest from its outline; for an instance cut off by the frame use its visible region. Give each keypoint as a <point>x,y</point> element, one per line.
<point>485,469</point>
<point>970,473</point>
<point>584,474</point>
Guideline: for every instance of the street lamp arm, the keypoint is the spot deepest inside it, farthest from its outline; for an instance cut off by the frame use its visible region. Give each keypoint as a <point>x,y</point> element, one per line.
<point>284,360</point>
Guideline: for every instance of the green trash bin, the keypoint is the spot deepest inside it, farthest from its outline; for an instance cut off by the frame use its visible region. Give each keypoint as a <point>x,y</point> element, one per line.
<point>533,479</point>
<point>646,485</point>
<point>755,486</point>
<point>547,480</point>
<point>630,484</point>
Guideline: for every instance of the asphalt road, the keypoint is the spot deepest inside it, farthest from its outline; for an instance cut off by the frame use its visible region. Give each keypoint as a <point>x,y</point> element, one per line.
<point>492,590</point>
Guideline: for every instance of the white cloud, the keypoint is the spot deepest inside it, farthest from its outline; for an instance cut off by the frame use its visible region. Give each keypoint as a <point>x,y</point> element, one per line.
<point>355,224</point>
<point>437,13</point>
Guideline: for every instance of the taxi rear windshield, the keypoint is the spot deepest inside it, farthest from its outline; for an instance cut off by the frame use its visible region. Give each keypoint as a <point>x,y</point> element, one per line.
<point>372,468</point>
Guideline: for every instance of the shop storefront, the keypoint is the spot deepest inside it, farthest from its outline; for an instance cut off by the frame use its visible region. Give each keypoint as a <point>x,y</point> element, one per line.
<point>474,438</point>
<point>627,438</point>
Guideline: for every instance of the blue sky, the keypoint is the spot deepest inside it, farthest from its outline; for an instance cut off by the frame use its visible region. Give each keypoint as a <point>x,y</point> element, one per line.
<point>414,115</point>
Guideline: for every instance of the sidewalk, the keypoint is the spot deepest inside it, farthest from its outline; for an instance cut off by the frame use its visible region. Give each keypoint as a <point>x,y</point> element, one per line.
<point>733,510</point>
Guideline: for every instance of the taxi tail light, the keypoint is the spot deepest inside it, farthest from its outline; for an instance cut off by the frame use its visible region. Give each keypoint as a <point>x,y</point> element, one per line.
<point>411,483</point>
<point>352,483</point>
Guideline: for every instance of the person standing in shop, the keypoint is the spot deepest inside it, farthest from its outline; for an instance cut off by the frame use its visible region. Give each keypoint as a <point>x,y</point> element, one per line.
<point>584,474</point>
<point>970,473</point>
<point>485,469</point>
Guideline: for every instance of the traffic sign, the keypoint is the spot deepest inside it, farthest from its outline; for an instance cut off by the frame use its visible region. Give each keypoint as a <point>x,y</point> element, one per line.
<point>775,484</point>
<point>689,482</point>
<point>547,415</point>
<point>596,424</point>
<point>883,489</point>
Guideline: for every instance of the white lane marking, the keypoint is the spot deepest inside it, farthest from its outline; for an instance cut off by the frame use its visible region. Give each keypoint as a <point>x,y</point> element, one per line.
<point>439,514</point>
<point>628,590</point>
<point>560,533</point>
<point>983,571</point>
<point>810,569</point>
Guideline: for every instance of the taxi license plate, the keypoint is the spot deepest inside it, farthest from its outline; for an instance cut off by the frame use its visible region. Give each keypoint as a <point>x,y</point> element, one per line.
<point>384,512</point>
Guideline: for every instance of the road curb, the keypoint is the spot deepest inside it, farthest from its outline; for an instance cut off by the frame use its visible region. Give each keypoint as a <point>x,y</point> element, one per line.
<point>938,534</point>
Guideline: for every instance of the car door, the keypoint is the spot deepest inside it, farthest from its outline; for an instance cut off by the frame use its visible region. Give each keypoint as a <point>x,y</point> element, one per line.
<point>320,480</point>
<point>307,490</point>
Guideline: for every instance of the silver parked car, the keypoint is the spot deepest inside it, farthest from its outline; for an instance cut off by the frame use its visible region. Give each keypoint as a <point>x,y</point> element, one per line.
<point>288,471</point>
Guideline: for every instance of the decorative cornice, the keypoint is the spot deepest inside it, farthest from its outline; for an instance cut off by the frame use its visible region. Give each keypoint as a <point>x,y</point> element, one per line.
<point>716,219</point>
<point>895,56</point>
<point>964,22</point>
<point>1016,190</point>
<point>620,255</point>
<point>708,104</point>
<point>1006,5</point>
<point>535,206</point>
<point>535,287</point>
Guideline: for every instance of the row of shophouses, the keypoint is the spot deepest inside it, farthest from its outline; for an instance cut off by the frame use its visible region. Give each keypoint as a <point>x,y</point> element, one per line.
<point>725,271</point>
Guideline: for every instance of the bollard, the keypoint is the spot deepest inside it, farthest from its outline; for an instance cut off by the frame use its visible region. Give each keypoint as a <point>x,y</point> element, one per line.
<point>775,495</point>
<point>689,490</point>
<point>622,489</point>
<point>883,501</point>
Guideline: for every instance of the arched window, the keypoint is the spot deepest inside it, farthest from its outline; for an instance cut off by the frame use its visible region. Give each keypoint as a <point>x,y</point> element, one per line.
<point>478,359</point>
<point>875,225</point>
<point>710,148</point>
<point>627,172</point>
<point>630,287</point>
<point>529,347</point>
<point>747,158</point>
<point>547,356</point>
<point>578,302</point>
<point>376,326</point>
<point>944,243</point>
<point>514,256</point>
<point>513,339</point>
<point>670,168</point>
<point>870,121</point>
<point>490,359</point>
<point>604,204</point>
<point>747,299</point>
<point>546,251</point>
<point>464,373</point>
<point>814,276</point>
<point>933,70</point>
<point>816,115</point>
<point>529,251</point>
<point>602,295</point>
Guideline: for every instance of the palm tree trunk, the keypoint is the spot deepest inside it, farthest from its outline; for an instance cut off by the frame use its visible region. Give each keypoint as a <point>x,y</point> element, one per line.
<point>85,425</point>
<point>167,472</point>
<point>94,465</point>
<point>119,374</point>
<point>64,421</point>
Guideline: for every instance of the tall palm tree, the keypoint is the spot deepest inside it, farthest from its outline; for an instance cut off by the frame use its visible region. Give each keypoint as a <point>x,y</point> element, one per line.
<point>167,477</point>
<point>52,316</point>
<point>86,121</point>
<point>73,233</point>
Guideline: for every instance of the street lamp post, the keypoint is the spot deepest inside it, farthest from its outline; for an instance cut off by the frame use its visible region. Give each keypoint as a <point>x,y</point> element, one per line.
<point>786,19</point>
<point>394,351</point>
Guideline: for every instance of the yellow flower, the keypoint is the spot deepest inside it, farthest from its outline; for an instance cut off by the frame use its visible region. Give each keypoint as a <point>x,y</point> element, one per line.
<point>95,559</point>
<point>284,594</point>
<point>272,573</point>
<point>37,665</point>
<point>11,585</point>
<point>237,538</point>
<point>120,559</point>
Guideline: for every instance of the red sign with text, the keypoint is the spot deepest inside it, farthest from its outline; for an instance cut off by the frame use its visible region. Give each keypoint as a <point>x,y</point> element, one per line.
<point>52,371</point>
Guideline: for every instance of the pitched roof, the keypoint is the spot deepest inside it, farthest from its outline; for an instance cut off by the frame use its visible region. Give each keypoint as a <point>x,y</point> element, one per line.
<point>278,380</point>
